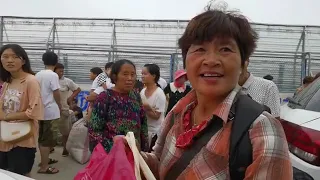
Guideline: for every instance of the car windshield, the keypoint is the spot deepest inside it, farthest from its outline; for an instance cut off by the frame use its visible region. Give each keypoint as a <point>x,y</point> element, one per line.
<point>308,98</point>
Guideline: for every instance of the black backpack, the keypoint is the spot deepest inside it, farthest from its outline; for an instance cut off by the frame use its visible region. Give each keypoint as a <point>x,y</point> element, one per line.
<point>243,113</point>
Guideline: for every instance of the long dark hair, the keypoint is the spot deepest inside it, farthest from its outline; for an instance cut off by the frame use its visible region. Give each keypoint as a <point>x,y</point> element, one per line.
<point>19,51</point>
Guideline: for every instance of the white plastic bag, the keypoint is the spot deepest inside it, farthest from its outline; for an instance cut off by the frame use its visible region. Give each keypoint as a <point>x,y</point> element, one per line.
<point>78,142</point>
<point>139,163</point>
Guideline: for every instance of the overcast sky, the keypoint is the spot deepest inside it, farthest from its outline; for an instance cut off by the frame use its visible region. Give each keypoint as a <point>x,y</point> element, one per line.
<point>301,12</point>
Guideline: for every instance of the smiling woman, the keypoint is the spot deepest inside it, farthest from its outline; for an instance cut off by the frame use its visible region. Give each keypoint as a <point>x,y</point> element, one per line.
<point>196,139</point>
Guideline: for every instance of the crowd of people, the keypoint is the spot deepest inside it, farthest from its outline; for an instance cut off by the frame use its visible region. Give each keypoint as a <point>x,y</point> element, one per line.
<point>167,119</point>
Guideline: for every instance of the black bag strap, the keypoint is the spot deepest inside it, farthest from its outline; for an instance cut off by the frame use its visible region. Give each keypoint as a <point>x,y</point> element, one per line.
<point>245,111</point>
<point>214,125</point>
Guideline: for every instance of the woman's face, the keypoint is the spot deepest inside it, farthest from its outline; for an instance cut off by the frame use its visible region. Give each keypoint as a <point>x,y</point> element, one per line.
<point>146,77</point>
<point>181,80</point>
<point>11,62</point>
<point>126,78</point>
<point>213,68</point>
<point>92,76</point>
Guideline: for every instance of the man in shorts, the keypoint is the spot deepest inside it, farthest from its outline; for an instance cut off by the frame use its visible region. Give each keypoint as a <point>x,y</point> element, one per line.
<point>48,127</point>
<point>66,85</point>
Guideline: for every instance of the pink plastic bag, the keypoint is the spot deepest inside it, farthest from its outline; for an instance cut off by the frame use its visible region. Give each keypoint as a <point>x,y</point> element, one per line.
<point>96,161</point>
<point>117,165</point>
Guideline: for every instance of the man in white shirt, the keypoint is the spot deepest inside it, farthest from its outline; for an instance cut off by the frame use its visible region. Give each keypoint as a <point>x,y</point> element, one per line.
<point>261,90</point>
<point>66,86</point>
<point>48,127</point>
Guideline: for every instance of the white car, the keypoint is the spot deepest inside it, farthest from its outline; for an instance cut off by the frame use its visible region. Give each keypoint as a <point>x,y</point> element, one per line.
<point>6,175</point>
<point>300,118</point>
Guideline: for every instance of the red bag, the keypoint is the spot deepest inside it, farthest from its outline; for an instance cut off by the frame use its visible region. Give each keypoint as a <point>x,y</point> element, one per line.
<point>117,165</point>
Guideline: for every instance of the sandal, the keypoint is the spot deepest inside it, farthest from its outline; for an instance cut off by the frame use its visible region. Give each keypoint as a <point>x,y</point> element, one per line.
<point>51,161</point>
<point>50,170</point>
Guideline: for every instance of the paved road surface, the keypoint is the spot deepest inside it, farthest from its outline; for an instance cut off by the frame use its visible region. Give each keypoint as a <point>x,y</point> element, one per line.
<point>67,166</point>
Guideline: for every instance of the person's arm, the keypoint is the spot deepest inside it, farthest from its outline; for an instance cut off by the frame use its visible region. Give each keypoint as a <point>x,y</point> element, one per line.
<point>271,159</point>
<point>160,106</point>
<point>92,96</point>
<point>35,107</point>
<point>55,86</point>
<point>152,112</point>
<point>75,91</point>
<point>99,113</point>
<point>56,96</point>
<point>273,100</point>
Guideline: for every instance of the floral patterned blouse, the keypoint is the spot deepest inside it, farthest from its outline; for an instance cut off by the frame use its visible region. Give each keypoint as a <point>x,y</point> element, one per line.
<point>116,113</point>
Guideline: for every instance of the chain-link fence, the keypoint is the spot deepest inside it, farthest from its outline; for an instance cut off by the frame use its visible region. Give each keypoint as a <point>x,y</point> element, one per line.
<point>286,52</point>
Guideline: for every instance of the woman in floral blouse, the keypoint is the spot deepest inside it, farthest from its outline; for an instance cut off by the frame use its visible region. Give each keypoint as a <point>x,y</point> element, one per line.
<point>119,110</point>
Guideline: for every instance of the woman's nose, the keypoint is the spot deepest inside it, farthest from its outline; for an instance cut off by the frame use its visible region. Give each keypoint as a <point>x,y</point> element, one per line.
<point>212,58</point>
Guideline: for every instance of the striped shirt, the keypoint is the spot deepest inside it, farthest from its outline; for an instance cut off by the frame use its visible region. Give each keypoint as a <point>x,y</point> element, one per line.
<point>270,150</point>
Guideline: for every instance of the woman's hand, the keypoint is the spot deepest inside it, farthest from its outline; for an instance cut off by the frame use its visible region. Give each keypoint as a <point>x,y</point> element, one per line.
<point>125,142</point>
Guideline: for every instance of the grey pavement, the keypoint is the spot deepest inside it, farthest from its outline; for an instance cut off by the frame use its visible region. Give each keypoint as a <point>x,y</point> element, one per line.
<point>67,166</point>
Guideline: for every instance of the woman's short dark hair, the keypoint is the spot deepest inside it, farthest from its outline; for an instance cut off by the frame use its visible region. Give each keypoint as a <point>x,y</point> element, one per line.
<point>59,66</point>
<point>108,65</point>
<point>96,70</point>
<point>219,24</point>
<point>50,58</point>
<point>153,70</point>
<point>116,67</point>
<point>20,52</point>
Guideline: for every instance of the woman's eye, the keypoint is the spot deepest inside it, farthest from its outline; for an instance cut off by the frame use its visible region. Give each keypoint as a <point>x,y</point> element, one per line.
<point>199,50</point>
<point>225,49</point>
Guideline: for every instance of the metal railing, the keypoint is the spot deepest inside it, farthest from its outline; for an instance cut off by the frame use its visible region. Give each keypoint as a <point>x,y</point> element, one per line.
<point>287,52</point>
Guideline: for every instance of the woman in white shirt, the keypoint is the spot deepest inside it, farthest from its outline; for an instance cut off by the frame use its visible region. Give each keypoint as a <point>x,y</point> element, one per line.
<point>154,100</point>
